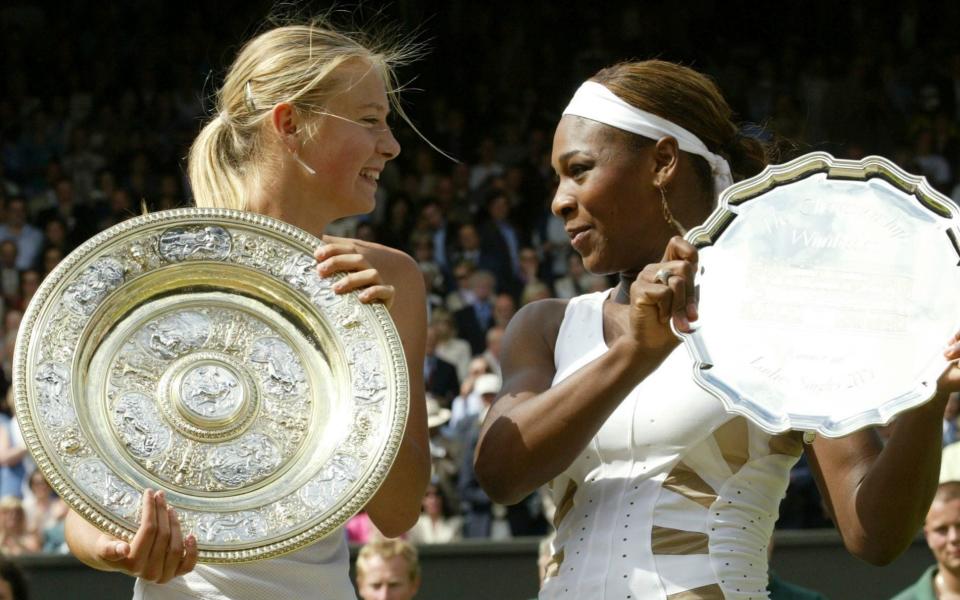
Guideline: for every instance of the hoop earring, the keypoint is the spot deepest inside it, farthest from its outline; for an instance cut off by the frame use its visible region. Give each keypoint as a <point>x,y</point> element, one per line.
<point>310,170</point>
<point>667,215</point>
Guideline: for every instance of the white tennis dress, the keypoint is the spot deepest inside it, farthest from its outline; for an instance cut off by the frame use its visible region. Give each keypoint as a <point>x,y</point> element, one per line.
<point>674,498</point>
<point>318,572</point>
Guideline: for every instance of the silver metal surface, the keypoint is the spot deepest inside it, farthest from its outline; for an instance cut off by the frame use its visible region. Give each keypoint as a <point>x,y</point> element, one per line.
<point>198,351</point>
<point>828,290</point>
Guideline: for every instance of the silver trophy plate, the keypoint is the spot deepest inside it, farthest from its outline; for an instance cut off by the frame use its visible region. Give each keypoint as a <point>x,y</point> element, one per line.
<point>828,291</point>
<point>198,351</point>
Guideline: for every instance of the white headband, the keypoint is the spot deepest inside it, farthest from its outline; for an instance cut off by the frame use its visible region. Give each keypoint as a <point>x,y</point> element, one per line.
<point>595,102</point>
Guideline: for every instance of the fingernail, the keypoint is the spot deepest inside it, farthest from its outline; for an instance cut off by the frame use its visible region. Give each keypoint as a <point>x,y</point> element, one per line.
<point>338,287</point>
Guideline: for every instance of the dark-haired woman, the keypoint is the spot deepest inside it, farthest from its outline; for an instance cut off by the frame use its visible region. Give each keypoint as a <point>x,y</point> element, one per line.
<point>661,493</point>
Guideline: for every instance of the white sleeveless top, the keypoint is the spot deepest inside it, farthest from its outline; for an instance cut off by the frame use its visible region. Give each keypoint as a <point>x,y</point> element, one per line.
<point>674,498</point>
<point>319,571</point>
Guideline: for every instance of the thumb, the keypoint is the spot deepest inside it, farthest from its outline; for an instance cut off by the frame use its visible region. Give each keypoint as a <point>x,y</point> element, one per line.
<point>113,550</point>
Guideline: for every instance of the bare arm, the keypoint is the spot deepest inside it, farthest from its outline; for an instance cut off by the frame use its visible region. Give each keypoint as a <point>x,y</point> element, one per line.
<point>879,494</point>
<point>394,278</point>
<point>534,431</point>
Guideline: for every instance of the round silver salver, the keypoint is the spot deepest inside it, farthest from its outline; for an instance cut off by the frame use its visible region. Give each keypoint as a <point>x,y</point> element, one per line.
<point>198,351</point>
<point>828,292</point>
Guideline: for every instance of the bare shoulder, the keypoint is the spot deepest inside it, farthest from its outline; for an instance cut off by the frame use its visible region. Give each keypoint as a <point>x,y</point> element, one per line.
<point>532,332</point>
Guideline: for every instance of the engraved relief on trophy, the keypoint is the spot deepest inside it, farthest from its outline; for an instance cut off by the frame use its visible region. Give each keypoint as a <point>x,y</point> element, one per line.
<point>175,335</point>
<point>217,528</point>
<point>255,395</point>
<point>211,391</point>
<point>368,380</point>
<point>282,375</point>
<point>247,461</point>
<point>139,425</point>
<point>92,286</point>
<point>194,243</point>
<point>335,477</point>
<point>52,383</point>
<point>96,480</point>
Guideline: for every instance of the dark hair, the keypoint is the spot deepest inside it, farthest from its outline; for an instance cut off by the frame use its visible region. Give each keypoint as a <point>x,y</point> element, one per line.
<point>693,101</point>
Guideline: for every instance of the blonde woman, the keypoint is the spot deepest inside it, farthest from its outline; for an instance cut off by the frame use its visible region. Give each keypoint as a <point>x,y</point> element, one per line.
<point>16,537</point>
<point>301,135</point>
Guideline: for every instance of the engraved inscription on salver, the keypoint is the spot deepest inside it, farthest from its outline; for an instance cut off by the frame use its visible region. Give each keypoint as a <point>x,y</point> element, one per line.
<point>246,461</point>
<point>53,395</point>
<point>797,373</point>
<point>139,425</point>
<point>176,334</point>
<point>801,296</point>
<point>85,293</point>
<point>211,391</point>
<point>209,242</point>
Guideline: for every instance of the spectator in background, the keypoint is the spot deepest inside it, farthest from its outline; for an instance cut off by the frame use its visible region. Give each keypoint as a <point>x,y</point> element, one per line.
<point>13,583</point>
<point>11,325</point>
<point>388,570</point>
<point>29,284</point>
<point>52,256</point>
<point>439,376</point>
<point>941,529</point>
<point>478,510</point>
<point>467,249</point>
<point>9,274</point>
<point>71,211</point>
<point>465,408</point>
<point>494,342</point>
<point>45,512</point>
<point>486,166</point>
<point>15,537</point>
<point>575,281</point>
<point>500,244</point>
<point>56,236</point>
<point>28,238</point>
<point>460,296</point>
<point>361,530</point>
<point>450,347</point>
<point>533,291</point>
<point>474,319</point>
<point>14,460</point>
<point>117,209</point>
<point>437,524</point>
<point>504,307</point>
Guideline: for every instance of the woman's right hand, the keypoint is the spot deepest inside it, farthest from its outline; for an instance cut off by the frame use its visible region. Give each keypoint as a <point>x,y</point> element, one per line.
<point>655,303</point>
<point>158,551</point>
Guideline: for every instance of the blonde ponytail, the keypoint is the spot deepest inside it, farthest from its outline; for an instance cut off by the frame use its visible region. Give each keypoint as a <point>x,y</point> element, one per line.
<point>215,173</point>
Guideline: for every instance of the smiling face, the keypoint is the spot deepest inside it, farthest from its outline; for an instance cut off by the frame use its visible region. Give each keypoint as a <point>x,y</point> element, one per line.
<point>351,145</point>
<point>606,197</point>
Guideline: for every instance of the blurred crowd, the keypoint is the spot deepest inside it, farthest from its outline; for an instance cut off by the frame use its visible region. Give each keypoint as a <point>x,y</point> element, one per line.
<point>95,125</point>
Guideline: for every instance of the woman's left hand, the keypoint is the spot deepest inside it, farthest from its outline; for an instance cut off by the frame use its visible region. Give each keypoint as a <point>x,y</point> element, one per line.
<point>339,255</point>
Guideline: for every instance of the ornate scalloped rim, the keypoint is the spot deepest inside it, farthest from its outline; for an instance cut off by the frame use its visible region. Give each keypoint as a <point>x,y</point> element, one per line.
<point>774,176</point>
<point>226,217</point>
